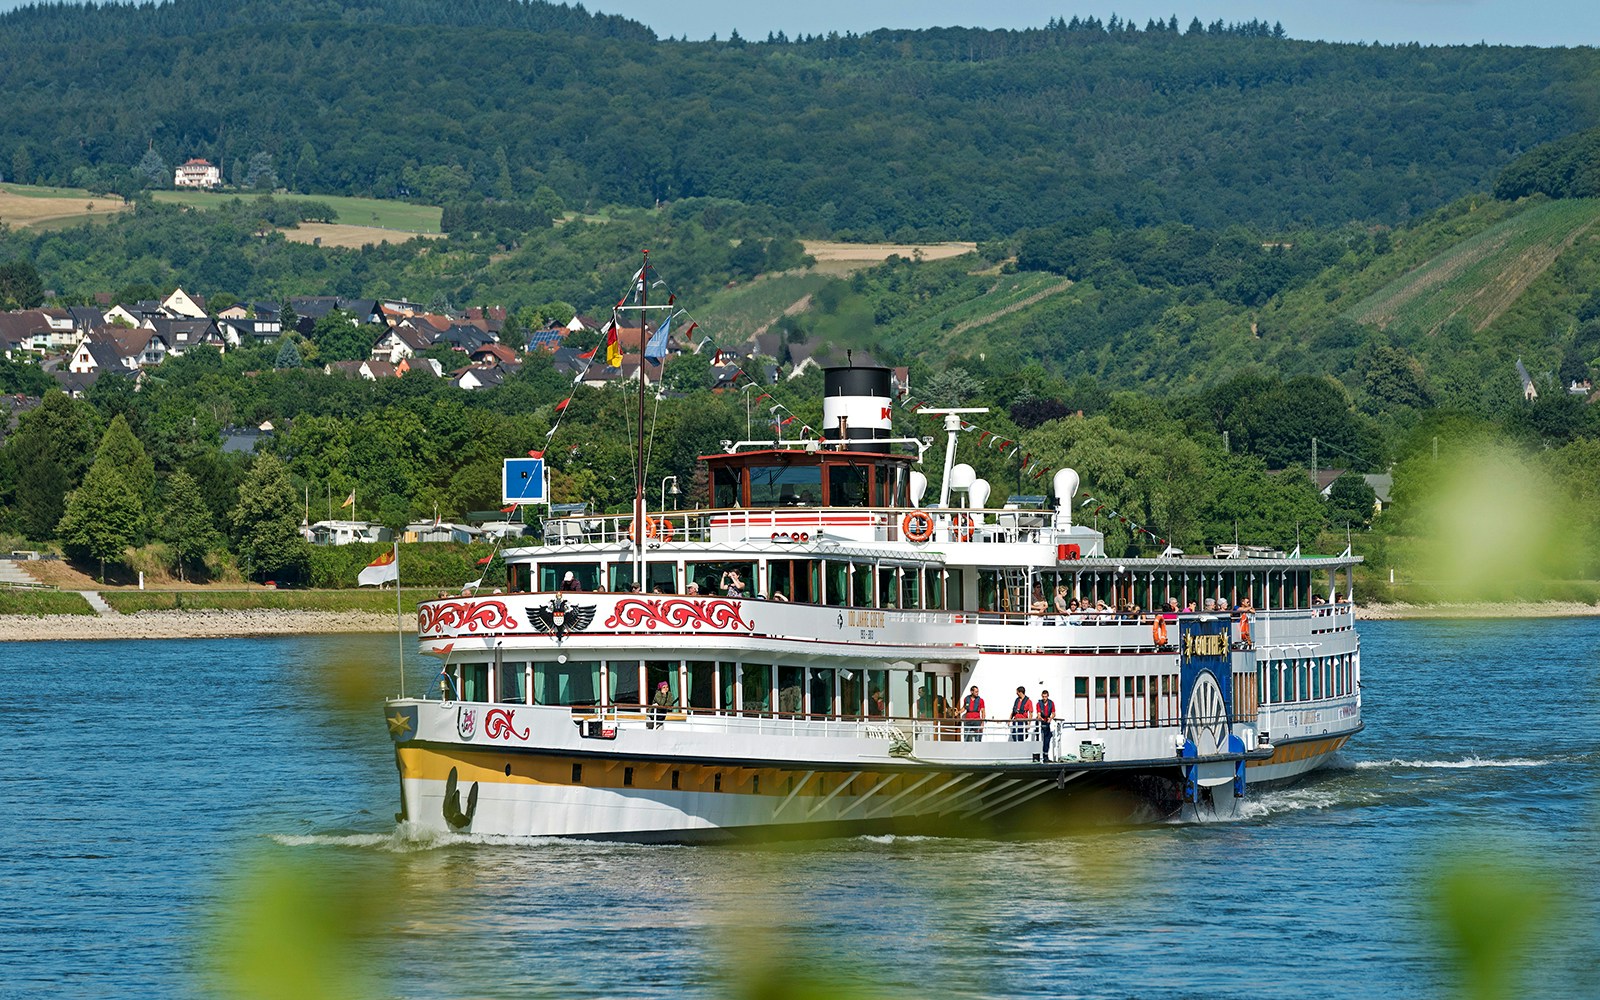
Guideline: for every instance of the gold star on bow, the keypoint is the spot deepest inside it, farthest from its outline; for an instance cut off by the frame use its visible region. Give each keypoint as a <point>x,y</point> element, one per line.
<point>399,724</point>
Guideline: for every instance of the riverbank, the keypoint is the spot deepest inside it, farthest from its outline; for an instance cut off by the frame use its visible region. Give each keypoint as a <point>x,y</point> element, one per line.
<point>194,624</point>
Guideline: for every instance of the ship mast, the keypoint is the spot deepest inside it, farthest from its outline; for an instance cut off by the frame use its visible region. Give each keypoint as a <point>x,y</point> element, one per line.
<point>640,535</point>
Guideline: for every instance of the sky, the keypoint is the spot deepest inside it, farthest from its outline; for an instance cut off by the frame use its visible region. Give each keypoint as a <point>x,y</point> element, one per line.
<point>1443,22</point>
<point>1439,22</point>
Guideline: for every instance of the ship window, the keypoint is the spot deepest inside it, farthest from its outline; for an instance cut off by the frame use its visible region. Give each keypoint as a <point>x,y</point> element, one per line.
<point>878,694</point>
<point>785,485</point>
<point>521,575</point>
<point>624,682</point>
<point>836,575</point>
<point>757,694</point>
<point>725,487</point>
<point>861,585</point>
<point>954,590</point>
<point>627,776</point>
<point>852,692</point>
<point>576,682</point>
<point>848,486</point>
<point>655,672</point>
<point>709,577</point>
<point>661,576</point>
<point>888,587</point>
<point>474,682</point>
<point>513,683</point>
<point>935,588</point>
<point>586,575</point>
<point>893,489</point>
<point>793,578</point>
<point>791,682</point>
<point>821,692</point>
<point>702,684</point>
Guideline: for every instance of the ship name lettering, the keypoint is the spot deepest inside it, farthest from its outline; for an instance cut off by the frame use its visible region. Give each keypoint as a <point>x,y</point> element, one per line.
<point>866,619</point>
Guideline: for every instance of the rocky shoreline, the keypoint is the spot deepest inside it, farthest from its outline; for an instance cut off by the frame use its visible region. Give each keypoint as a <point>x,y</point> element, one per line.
<point>193,624</point>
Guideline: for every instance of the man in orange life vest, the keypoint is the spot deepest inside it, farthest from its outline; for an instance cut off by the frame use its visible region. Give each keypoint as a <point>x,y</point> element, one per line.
<point>1021,712</point>
<point>1047,717</point>
<point>972,716</point>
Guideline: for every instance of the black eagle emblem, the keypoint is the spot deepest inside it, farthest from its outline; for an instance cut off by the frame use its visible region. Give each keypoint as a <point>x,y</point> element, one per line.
<point>560,617</point>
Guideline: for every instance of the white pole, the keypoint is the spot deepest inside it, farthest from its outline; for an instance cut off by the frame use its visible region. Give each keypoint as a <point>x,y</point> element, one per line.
<point>399,620</point>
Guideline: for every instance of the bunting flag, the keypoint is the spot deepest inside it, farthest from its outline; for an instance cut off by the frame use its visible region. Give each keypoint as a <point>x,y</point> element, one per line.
<point>535,453</point>
<point>563,404</point>
<point>613,345</point>
<point>485,560</point>
<point>656,349</point>
<point>349,500</point>
<point>589,354</point>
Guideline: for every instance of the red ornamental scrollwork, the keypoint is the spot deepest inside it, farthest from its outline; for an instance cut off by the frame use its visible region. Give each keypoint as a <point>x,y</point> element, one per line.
<point>497,725</point>
<point>677,613</point>
<point>463,616</point>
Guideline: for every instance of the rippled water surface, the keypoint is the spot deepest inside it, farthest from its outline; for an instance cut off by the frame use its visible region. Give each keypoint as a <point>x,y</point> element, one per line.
<point>147,786</point>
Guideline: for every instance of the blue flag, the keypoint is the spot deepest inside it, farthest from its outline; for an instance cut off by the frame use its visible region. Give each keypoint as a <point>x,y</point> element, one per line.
<point>657,348</point>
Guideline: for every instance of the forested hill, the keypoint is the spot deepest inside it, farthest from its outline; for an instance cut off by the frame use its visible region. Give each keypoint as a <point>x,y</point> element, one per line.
<point>908,134</point>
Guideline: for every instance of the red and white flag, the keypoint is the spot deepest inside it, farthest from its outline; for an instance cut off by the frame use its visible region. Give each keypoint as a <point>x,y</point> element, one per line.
<point>382,570</point>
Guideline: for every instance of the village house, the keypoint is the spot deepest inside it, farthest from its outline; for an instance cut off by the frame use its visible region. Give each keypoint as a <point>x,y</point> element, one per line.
<point>197,173</point>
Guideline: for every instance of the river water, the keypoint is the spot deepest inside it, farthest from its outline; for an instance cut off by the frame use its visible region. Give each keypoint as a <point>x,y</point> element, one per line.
<point>187,817</point>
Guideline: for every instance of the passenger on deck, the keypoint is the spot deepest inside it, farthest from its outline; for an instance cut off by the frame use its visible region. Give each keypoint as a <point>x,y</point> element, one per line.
<point>732,583</point>
<point>1064,604</point>
<point>692,590</point>
<point>570,582</point>
<point>777,595</point>
<point>1038,606</point>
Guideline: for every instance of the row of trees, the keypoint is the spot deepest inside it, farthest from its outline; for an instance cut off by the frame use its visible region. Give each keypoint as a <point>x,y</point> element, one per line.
<point>943,133</point>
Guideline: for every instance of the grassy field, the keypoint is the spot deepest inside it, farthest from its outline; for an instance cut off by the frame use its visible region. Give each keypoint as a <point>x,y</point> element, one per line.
<point>370,212</point>
<point>43,602</point>
<point>337,234</point>
<point>373,601</point>
<point>27,205</point>
<point>1481,276</point>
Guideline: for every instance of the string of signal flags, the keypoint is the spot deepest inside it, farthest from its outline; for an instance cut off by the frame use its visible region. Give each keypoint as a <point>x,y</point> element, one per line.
<point>780,414</point>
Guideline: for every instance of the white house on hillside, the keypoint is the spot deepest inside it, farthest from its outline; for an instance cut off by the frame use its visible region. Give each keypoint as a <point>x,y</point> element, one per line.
<point>197,173</point>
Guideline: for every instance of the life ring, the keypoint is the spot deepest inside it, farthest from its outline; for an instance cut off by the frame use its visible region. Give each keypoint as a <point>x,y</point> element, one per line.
<point>650,529</point>
<point>664,529</point>
<point>961,528</point>
<point>1158,631</point>
<point>917,526</point>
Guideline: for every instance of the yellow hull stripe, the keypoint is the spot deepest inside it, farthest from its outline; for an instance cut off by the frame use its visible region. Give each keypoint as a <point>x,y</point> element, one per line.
<point>430,764</point>
<point>1301,751</point>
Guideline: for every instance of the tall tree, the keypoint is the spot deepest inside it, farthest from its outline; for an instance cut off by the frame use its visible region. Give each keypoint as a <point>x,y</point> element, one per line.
<point>186,522</point>
<point>20,285</point>
<point>123,452</point>
<point>50,452</point>
<point>269,541</point>
<point>103,516</point>
<point>152,170</point>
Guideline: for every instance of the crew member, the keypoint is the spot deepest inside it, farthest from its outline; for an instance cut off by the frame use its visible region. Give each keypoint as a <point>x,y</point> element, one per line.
<point>1021,712</point>
<point>972,716</point>
<point>1047,717</point>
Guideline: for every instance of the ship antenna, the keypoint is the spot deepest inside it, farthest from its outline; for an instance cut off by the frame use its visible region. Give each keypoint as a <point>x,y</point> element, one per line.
<point>639,533</point>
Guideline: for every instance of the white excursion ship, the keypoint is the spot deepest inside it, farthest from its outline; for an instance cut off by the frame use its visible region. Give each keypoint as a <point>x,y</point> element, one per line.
<point>800,659</point>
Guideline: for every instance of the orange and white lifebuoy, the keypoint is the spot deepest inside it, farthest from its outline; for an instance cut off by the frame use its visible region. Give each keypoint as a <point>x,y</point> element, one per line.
<point>1158,631</point>
<point>961,528</point>
<point>650,529</point>
<point>664,529</point>
<point>917,526</point>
